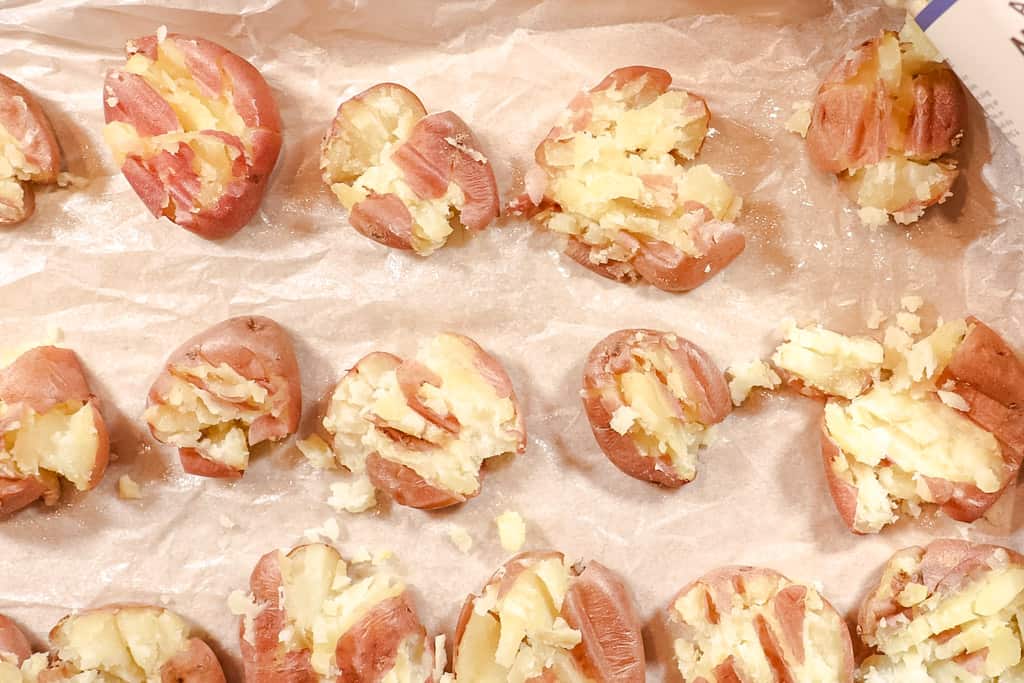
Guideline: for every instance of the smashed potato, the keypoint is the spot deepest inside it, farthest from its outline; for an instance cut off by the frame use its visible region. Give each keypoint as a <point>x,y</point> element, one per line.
<point>50,429</point>
<point>652,398</point>
<point>123,643</point>
<point>407,179</point>
<point>756,626</point>
<point>225,390</point>
<point>946,613</point>
<point>614,180</point>
<point>936,421</point>
<point>195,130</point>
<point>312,616</point>
<point>886,120</point>
<point>421,429</point>
<point>29,153</point>
<point>540,619</point>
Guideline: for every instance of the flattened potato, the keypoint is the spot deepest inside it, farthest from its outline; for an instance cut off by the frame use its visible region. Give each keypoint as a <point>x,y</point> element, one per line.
<point>421,429</point>
<point>195,130</point>
<point>50,429</point>
<point>946,613</point>
<point>224,390</point>
<point>539,619</point>
<point>407,178</point>
<point>612,178</point>
<point>651,398</point>
<point>886,120</point>
<point>315,617</point>
<point>756,626</point>
<point>29,153</point>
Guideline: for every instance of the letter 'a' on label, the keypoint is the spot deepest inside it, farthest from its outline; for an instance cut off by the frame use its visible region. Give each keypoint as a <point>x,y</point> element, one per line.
<point>984,43</point>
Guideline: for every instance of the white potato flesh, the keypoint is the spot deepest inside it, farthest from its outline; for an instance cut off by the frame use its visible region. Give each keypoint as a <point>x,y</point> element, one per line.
<point>62,441</point>
<point>832,363</point>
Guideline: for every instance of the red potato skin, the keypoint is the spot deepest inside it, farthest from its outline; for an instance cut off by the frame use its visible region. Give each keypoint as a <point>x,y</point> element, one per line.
<point>365,653</point>
<point>258,349</point>
<point>40,379</point>
<point>844,494</point>
<point>166,183</point>
<point>601,398</point>
<point>851,122</point>
<point>25,120</point>
<point>788,605</point>
<point>402,483</point>
<point>597,604</point>
<point>657,262</point>
<point>943,566</point>
<point>13,641</point>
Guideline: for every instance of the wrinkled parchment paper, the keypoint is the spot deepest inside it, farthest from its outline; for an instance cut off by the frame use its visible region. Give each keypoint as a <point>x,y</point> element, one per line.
<point>125,289</point>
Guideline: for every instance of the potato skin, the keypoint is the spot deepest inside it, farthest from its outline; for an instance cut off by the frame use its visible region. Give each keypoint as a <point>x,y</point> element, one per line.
<point>597,604</point>
<point>41,379</point>
<point>723,583</point>
<point>258,349</point>
<point>601,398</point>
<point>24,119</point>
<point>13,640</point>
<point>943,566</point>
<point>365,653</point>
<point>129,99</point>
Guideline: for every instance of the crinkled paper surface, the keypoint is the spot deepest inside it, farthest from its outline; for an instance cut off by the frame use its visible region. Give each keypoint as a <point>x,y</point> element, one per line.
<point>125,289</point>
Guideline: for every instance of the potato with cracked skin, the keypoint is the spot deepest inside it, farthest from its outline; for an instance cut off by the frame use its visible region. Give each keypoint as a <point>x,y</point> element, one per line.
<point>14,646</point>
<point>29,153</point>
<point>936,421</point>
<point>225,390</point>
<point>756,626</point>
<point>50,429</point>
<point>652,398</point>
<point>317,617</point>
<point>541,619</point>
<point>612,178</point>
<point>946,613</point>
<point>123,643</point>
<point>421,429</point>
<point>886,120</point>
<point>407,178</point>
<point>194,129</point>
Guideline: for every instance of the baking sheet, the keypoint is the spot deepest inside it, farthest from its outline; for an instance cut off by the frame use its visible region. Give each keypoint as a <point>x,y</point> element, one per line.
<point>125,289</point>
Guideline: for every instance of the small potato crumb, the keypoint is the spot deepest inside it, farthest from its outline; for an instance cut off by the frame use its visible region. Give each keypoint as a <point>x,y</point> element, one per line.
<point>128,488</point>
<point>911,303</point>
<point>460,538</point>
<point>244,605</point>
<point>954,400</point>
<point>329,530</point>
<point>800,120</point>
<point>876,317</point>
<point>317,452</point>
<point>873,217</point>
<point>227,522</point>
<point>355,496</point>
<point>511,530</point>
<point>161,34</point>
<point>623,419</point>
<point>909,322</point>
<point>745,377</point>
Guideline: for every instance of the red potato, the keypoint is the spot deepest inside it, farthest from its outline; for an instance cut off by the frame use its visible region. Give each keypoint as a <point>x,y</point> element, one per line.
<point>195,129</point>
<point>14,646</point>
<point>540,619</point>
<point>407,178</point>
<point>230,387</point>
<point>366,628</point>
<point>29,152</point>
<point>50,429</point>
<point>611,176</point>
<point>421,429</point>
<point>756,626</point>
<point>651,398</point>
<point>886,120</point>
<point>946,613</point>
<point>907,424</point>
<point>128,643</point>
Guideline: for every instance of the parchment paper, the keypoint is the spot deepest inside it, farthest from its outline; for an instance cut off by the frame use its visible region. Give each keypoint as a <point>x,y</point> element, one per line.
<point>125,289</point>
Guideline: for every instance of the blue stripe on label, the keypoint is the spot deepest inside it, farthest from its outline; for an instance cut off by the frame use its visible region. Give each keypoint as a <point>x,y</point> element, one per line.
<point>930,14</point>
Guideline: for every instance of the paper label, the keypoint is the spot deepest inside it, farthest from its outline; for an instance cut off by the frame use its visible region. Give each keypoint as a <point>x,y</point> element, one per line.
<point>984,43</point>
